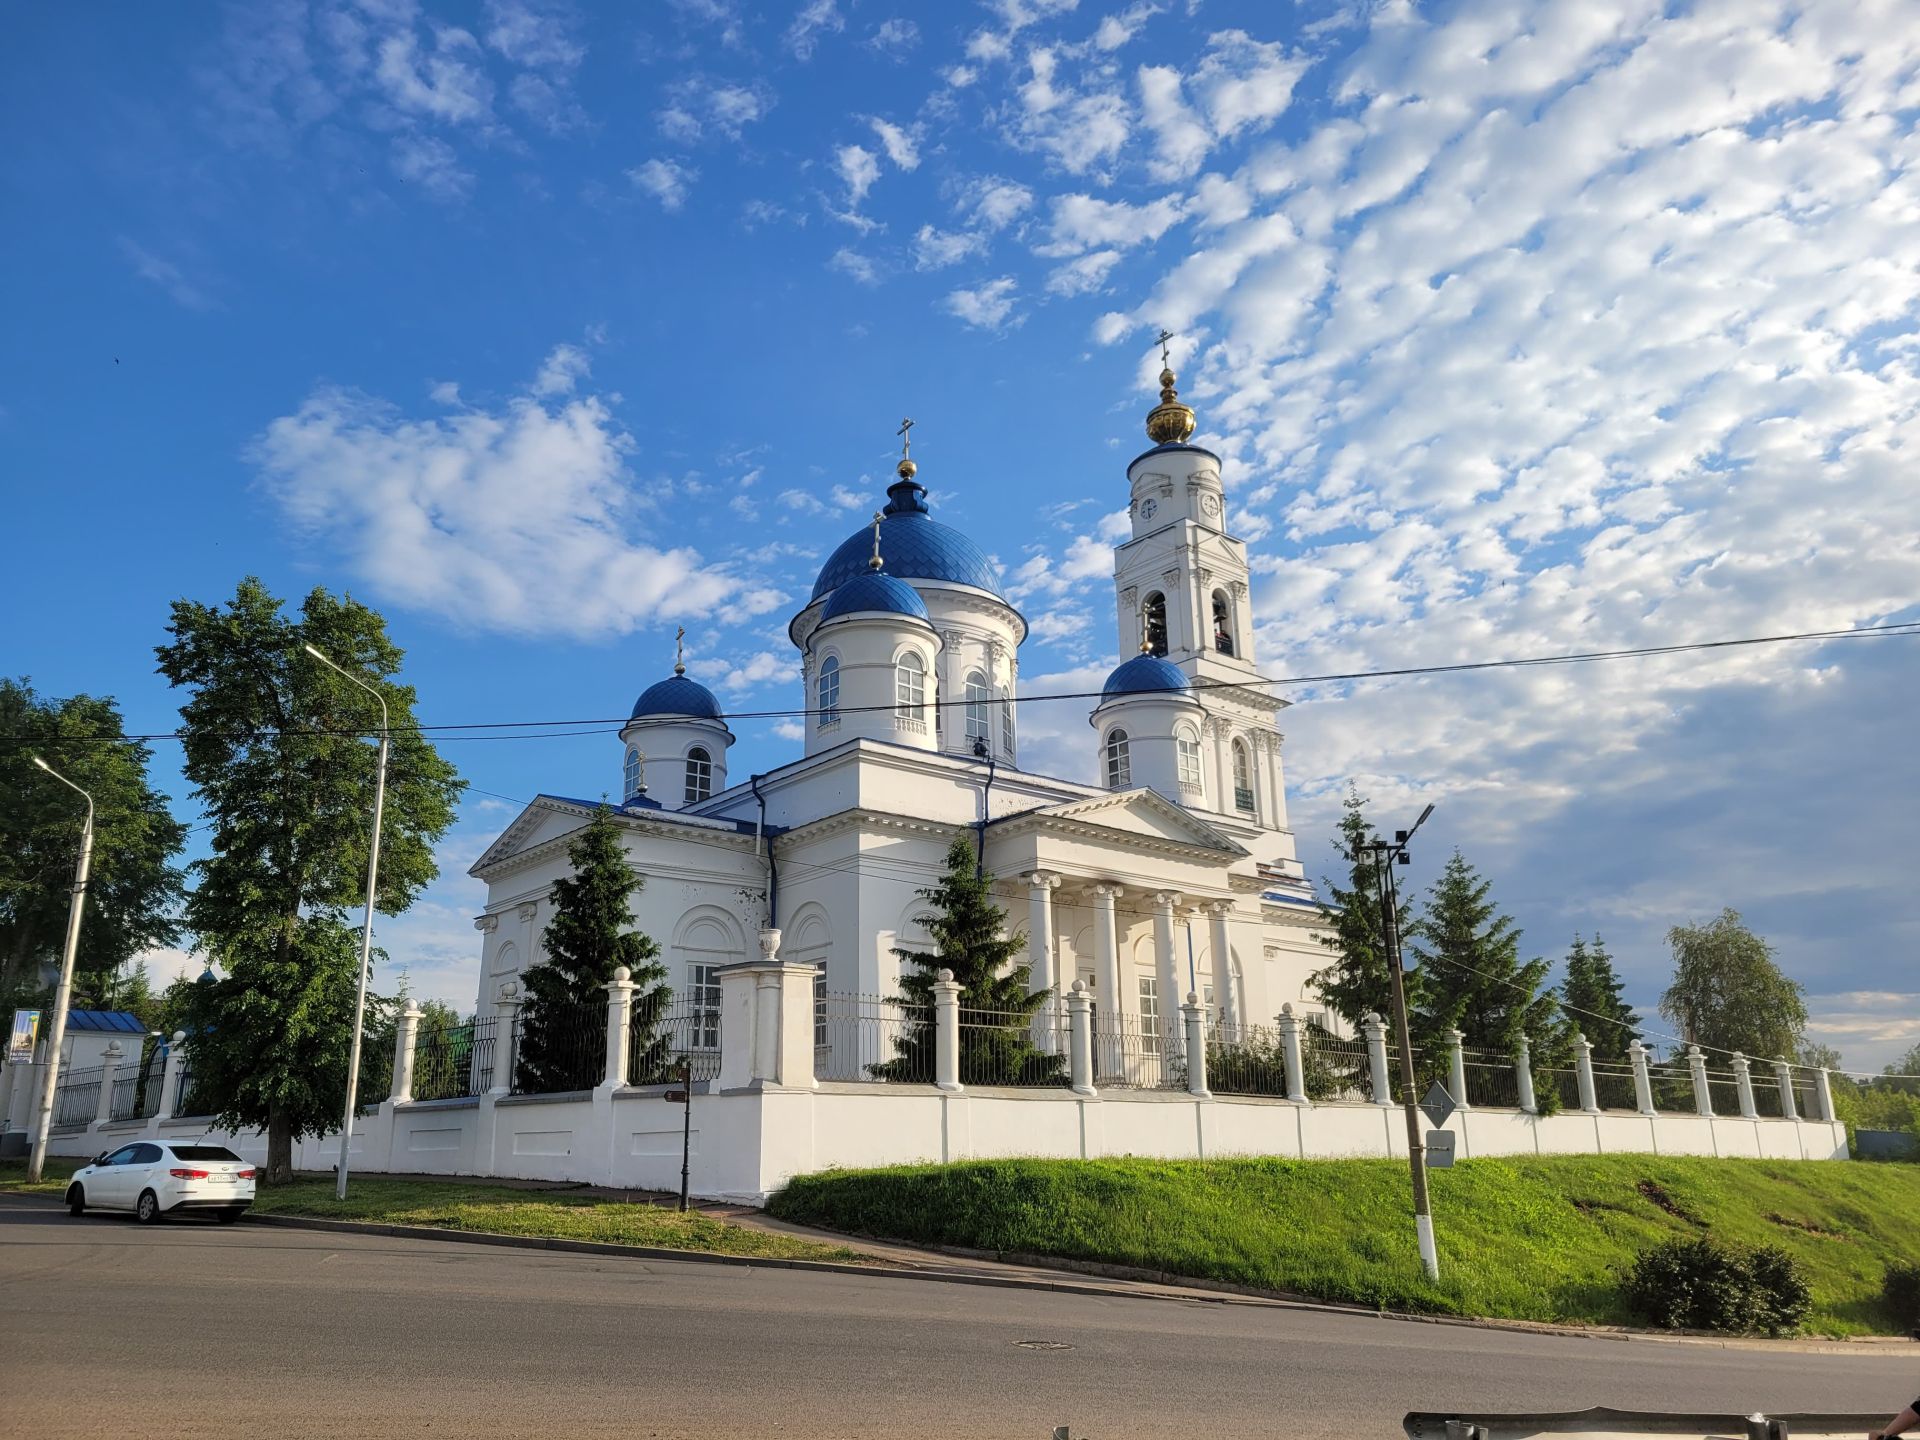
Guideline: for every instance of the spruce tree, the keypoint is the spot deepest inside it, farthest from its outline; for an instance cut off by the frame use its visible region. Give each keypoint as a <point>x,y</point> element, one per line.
<point>996,1037</point>
<point>1358,982</point>
<point>590,936</point>
<point>1591,996</point>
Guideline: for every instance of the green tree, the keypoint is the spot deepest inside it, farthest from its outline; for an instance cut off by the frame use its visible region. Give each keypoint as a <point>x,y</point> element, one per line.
<point>1727,992</point>
<point>969,933</point>
<point>563,1022</point>
<point>1358,983</point>
<point>1590,993</point>
<point>275,748</point>
<point>1474,980</point>
<point>133,893</point>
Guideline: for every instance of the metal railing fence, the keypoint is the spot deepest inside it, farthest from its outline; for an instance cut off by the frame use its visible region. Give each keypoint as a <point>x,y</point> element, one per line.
<point>1246,1060</point>
<point>76,1098</point>
<point>1613,1087</point>
<point>1009,1047</point>
<point>1337,1068</point>
<point>452,1061</point>
<point>1493,1080</point>
<point>692,1050</point>
<point>1130,1053</point>
<point>855,1034</point>
<point>558,1048</point>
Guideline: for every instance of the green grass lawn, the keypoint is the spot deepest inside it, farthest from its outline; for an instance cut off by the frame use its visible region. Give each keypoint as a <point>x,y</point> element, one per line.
<point>495,1209</point>
<point>1527,1239</point>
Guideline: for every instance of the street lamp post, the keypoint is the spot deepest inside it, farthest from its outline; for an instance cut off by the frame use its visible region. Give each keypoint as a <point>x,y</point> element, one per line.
<point>366,929</point>
<point>1385,856</point>
<point>57,1035</point>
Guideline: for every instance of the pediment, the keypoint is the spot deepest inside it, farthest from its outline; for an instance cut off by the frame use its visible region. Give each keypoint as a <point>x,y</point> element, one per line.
<point>1143,813</point>
<point>546,818</point>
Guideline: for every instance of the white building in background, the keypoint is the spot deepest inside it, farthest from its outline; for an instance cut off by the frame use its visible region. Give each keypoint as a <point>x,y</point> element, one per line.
<point>1176,873</point>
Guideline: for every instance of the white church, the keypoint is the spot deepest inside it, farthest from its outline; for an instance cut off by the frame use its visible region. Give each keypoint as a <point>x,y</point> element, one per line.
<point>1176,874</point>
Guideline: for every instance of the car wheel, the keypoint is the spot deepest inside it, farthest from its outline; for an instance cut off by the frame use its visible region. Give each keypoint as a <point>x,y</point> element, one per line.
<point>227,1217</point>
<point>76,1200</point>
<point>147,1210</point>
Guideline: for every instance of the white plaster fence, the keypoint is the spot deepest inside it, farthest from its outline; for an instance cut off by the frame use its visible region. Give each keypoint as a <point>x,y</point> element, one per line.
<point>766,1118</point>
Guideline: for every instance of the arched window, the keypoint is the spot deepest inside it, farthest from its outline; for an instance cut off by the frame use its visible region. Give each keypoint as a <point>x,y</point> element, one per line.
<point>828,700</point>
<point>909,687</point>
<point>1242,778</point>
<point>630,778</point>
<point>1006,723</point>
<point>1119,761</point>
<point>1153,615</point>
<point>979,721</point>
<point>699,775</point>
<point>1222,623</point>
<point>1189,747</point>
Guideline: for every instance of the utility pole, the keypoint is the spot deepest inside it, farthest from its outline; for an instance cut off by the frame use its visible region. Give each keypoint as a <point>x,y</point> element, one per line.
<point>63,996</point>
<point>1385,857</point>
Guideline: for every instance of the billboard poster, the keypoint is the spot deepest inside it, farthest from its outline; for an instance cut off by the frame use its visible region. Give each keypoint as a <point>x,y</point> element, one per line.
<point>26,1034</point>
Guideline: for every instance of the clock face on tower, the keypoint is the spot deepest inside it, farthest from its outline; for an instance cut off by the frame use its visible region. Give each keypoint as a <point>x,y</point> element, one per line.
<point>1210,505</point>
<point>1147,507</point>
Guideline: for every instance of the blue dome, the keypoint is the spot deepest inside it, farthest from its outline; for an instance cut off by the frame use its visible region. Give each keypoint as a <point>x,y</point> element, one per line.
<point>1144,673</point>
<point>677,695</point>
<point>875,590</point>
<point>914,546</point>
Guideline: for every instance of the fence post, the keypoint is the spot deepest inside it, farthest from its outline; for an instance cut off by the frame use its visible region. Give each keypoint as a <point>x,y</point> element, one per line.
<point>1196,1027</point>
<point>1743,1082</point>
<point>109,1064</point>
<point>1080,1038</point>
<point>1376,1033</point>
<point>1290,1048</point>
<point>170,1078</point>
<point>506,1041</point>
<point>1583,1073</point>
<point>1789,1102</point>
<point>1457,1069</point>
<point>1642,1081</point>
<point>1702,1093</point>
<point>1523,1078</point>
<point>619,1027</point>
<point>1823,1093</point>
<point>946,1032</point>
<point>406,1039</point>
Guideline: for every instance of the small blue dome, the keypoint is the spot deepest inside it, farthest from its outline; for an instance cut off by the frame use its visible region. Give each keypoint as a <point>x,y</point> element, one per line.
<point>914,545</point>
<point>1144,673</point>
<point>677,695</point>
<point>875,590</point>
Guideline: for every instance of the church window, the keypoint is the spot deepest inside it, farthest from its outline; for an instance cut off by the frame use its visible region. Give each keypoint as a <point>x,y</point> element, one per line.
<point>630,779</point>
<point>1006,723</point>
<point>1189,747</point>
<point>699,775</point>
<point>1242,778</point>
<point>829,691</point>
<point>1153,616</point>
<point>909,686</point>
<point>1119,761</point>
<point>1222,623</point>
<point>703,991</point>
<point>979,726</point>
<point>822,1039</point>
<point>1149,1015</point>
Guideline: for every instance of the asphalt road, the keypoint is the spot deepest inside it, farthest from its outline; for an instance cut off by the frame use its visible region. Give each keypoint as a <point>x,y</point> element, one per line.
<point>188,1328</point>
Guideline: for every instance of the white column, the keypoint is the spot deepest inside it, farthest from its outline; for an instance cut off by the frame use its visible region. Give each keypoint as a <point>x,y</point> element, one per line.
<point>1290,1049</point>
<point>1275,785</point>
<point>1642,1081</point>
<point>1222,767</point>
<point>506,1037</point>
<point>1702,1092</point>
<point>1171,1033</point>
<point>950,723</point>
<point>946,1032</point>
<point>406,1039</point>
<point>619,1027</point>
<point>1376,1033</point>
<point>1523,1078</point>
<point>1194,1020</point>
<point>1040,951</point>
<point>1789,1102</point>
<point>1113,1000</point>
<point>109,1068</point>
<point>1457,1069</point>
<point>1218,942</point>
<point>1823,1093</point>
<point>1080,1038</point>
<point>1743,1086</point>
<point>1583,1073</point>
<point>170,1078</point>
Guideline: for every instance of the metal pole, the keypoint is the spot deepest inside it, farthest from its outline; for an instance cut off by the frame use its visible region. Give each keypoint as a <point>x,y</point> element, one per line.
<point>686,1128</point>
<point>57,1035</point>
<point>1416,1148</point>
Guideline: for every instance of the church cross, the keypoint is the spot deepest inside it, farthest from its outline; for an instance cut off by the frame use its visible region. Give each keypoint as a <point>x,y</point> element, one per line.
<point>906,439</point>
<point>878,516</point>
<point>680,651</point>
<point>1164,336</point>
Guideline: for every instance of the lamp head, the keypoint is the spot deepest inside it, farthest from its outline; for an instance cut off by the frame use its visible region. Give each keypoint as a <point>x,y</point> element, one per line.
<point>41,763</point>
<point>313,652</point>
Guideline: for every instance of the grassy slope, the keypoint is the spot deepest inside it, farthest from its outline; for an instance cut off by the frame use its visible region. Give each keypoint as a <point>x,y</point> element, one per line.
<point>1538,1239</point>
<point>499,1210</point>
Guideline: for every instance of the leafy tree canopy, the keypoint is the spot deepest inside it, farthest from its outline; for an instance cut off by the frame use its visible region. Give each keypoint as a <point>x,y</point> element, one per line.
<point>1727,992</point>
<point>1591,994</point>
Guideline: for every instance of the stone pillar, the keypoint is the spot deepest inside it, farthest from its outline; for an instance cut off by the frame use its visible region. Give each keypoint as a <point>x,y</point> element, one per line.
<point>1743,1082</point>
<point>1040,952</point>
<point>406,1039</point>
<point>1274,782</point>
<point>1523,1077</point>
<point>1457,1070</point>
<point>1172,1038</point>
<point>1376,1032</point>
<point>1290,1049</point>
<point>1222,767</point>
<point>946,1032</point>
<point>1823,1094</point>
<point>1642,1081</point>
<point>1789,1102</point>
<point>619,1027</point>
<point>1218,942</point>
<point>1080,1038</point>
<point>506,1038</point>
<point>1113,1003</point>
<point>1583,1073</point>
<point>1702,1092</point>
<point>170,1078</point>
<point>1195,1019</point>
<point>109,1066</point>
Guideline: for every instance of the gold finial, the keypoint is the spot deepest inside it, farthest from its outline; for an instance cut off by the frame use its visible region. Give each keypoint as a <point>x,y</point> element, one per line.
<point>1169,422</point>
<point>878,516</point>
<point>680,651</point>
<point>906,468</point>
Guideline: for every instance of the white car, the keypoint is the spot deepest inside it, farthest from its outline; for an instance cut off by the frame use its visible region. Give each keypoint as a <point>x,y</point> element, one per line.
<point>154,1180</point>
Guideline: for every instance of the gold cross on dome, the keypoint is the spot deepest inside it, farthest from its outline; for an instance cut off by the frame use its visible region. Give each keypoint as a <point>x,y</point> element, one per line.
<point>680,651</point>
<point>1164,336</point>
<point>878,516</point>
<point>906,439</point>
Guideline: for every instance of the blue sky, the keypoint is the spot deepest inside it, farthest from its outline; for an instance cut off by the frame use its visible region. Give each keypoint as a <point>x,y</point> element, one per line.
<point>546,328</point>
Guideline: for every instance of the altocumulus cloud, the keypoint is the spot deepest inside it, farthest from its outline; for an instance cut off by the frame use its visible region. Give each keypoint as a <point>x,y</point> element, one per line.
<point>515,519</point>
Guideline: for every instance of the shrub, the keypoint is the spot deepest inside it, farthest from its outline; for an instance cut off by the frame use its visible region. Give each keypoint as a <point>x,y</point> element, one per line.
<point>1900,1291</point>
<point>1698,1285</point>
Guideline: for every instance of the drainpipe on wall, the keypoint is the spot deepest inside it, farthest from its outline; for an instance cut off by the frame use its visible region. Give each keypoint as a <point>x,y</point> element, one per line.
<point>765,842</point>
<point>983,751</point>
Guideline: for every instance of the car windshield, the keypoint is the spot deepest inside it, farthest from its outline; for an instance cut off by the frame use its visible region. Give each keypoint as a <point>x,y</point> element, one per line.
<point>203,1152</point>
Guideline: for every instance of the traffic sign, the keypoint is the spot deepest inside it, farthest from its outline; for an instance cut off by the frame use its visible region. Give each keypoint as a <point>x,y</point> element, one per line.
<point>1438,1104</point>
<point>1439,1149</point>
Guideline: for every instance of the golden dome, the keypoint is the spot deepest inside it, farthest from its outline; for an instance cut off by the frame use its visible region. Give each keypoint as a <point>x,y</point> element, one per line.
<point>1169,422</point>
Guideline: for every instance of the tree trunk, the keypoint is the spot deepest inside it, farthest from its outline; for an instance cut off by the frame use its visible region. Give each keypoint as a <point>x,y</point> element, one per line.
<point>279,1147</point>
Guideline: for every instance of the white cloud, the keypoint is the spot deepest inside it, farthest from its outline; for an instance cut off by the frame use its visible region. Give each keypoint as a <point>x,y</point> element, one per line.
<point>564,368</point>
<point>444,83</point>
<point>665,180</point>
<point>935,249</point>
<point>1081,130</point>
<point>894,37</point>
<point>898,144</point>
<point>994,202</point>
<point>985,307</point>
<point>858,167</point>
<point>814,19</point>
<point>1084,275</point>
<point>1116,30</point>
<point>1081,222</point>
<point>167,275</point>
<point>516,520</point>
<point>537,36</point>
<point>699,104</point>
<point>432,164</point>
<point>854,266</point>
